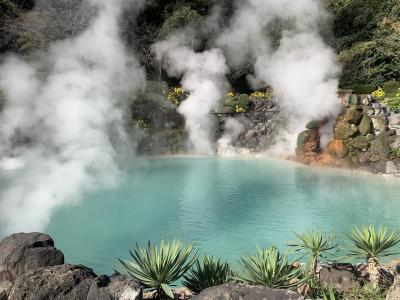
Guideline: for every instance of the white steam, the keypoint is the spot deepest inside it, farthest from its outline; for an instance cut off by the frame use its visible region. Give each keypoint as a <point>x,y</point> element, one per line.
<point>232,129</point>
<point>204,78</point>
<point>282,40</point>
<point>62,121</point>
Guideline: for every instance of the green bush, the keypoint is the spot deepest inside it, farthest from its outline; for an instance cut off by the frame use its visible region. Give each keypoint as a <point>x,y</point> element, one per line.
<point>392,102</point>
<point>391,87</point>
<point>362,89</point>
<point>210,272</point>
<point>182,16</point>
<point>158,267</point>
<point>237,103</point>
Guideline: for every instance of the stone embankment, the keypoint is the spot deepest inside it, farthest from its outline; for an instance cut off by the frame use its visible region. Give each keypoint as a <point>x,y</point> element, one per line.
<point>366,136</point>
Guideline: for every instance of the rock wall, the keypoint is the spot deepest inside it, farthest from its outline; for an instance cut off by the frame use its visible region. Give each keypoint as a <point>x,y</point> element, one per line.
<point>366,137</point>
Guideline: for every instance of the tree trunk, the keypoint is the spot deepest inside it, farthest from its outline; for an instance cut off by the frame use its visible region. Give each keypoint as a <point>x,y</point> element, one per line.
<point>373,271</point>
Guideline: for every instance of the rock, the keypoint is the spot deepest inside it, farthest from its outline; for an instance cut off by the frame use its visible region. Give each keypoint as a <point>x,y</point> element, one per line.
<point>232,291</point>
<point>352,116</point>
<point>344,130</point>
<point>22,252</point>
<point>56,282</point>
<point>340,276</point>
<point>365,99</point>
<point>379,149</point>
<point>380,124</point>
<point>250,134</point>
<point>391,167</point>
<point>365,126</point>
<point>116,287</point>
<point>395,143</point>
<point>337,149</point>
<point>5,288</point>
<point>360,143</point>
<point>353,100</point>
<point>312,125</point>
<point>394,291</point>
<point>394,119</point>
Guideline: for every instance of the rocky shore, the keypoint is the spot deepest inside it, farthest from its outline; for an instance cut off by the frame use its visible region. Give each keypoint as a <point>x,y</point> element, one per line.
<point>32,268</point>
<point>366,137</point>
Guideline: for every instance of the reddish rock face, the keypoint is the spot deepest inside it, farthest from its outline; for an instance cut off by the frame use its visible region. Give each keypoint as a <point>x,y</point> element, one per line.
<point>337,149</point>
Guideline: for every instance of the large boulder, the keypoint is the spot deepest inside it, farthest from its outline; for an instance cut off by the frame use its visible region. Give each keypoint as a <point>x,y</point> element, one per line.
<point>344,130</point>
<point>232,291</point>
<point>56,282</point>
<point>352,115</point>
<point>337,149</point>
<point>22,252</point>
<point>342,277</point>
<point>116,287</point>
<point>365,126</point>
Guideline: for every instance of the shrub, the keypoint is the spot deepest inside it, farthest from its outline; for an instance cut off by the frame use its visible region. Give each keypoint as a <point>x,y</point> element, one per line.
<point>314,244</point>
<point>270,268</point>
<point>157,268</point>
<point>182,15</point>
<point>362,89</point>
<point>237,103</point>
<point>208,273</point>
<point>391,87</point>
<point>393,102</point>
<point>370,244</point>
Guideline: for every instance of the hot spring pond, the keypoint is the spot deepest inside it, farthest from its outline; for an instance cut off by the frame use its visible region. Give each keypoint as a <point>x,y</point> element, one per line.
<point>226,206</point>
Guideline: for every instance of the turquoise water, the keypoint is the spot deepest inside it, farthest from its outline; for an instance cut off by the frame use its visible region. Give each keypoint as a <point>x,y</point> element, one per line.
<point>226,206</point>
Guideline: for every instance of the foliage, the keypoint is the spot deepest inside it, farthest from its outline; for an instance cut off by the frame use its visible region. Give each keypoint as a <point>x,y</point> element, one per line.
<point>393,102</point>
<point>314,243</point>
<point>394,153</point>
<point>182,15</point>
<point>391,87</point>
<point>271,268</point>
<point>366,38</point>
<point>207,273</point>
<point>158,267</point>
<point>365,292</point>
<point>176,95</point>
<point>371,243</point>
<point>362,89</point>
<point>237,103</point>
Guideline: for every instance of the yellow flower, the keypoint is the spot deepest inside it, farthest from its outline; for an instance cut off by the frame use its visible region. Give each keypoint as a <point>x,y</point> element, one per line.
<point>230,94</point>
<point>379,93</point>
<point>240,109</point>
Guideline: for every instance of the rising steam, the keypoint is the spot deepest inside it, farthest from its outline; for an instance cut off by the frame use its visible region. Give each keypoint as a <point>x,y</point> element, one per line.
<point>282,40</point>
<point>62,121</point>
<point>204,77</point>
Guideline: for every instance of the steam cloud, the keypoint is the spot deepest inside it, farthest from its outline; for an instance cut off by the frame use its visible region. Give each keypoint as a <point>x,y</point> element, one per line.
<point>62,122</point>
<point>283,42</point>
<point>204,77</point>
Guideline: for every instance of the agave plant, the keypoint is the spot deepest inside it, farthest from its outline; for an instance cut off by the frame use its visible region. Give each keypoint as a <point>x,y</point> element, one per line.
<point>314,243</point>
<point>207,273</point>
<point>157,268</point>
<point>371,245</point>
<point>271,268</point>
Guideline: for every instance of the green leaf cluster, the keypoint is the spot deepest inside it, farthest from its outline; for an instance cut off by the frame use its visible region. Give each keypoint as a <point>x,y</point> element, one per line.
<point>207,273</point>
<point>158,267</point>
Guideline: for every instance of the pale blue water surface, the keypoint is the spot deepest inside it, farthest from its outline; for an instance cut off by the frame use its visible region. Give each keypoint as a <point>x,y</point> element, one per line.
<point>226,206</point>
